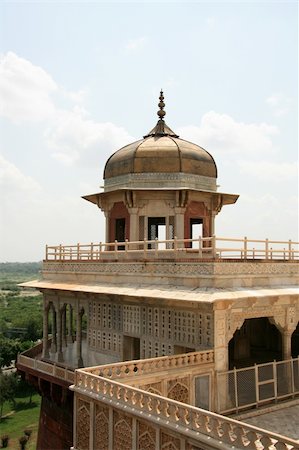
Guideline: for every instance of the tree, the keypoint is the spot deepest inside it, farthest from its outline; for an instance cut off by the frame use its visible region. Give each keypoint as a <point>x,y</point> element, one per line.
<point>10,348</point>
<point>8,387</point>
<point>8,351</point>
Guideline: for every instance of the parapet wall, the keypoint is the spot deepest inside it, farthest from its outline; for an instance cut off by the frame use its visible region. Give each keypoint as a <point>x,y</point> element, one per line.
<point>195,274</point>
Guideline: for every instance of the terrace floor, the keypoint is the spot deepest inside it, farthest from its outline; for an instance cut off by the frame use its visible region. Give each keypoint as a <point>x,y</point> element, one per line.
<point>284,421</point>
<point>90,357</point>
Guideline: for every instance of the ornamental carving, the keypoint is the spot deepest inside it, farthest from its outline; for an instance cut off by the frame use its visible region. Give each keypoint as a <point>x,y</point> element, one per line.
<point>101,427</point>
<point>194,268</point>
<point>146,437</point>
<point>154,388</point>
<point>169,442</point>
<point>122,436</point>
<point>178,390</point>
<point>83,425</point>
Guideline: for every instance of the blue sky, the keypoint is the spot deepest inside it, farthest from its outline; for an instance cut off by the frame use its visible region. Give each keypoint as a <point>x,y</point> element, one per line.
<point>80,79</point>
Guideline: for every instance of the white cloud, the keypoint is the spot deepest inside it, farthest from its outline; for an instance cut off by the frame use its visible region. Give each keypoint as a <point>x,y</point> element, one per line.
<point>135,44</point>
<point>74,137</point>
<point>77,96</point>
<point>12,180</point>
<point>25,90</point>
<point>260,217</point>
<point>221,134</point>
<point>269,171</point>
<point>31,217</point>
<point>279,103</point>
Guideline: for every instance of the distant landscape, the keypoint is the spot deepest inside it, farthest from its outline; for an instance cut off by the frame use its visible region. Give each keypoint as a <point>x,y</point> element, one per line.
<point>20,329</point>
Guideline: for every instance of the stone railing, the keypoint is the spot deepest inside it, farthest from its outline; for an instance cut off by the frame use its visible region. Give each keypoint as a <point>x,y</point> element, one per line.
<point>151,365</point>
<point>47,368</point>
<point>179,417</point>
<point>206,248</point>
<point>35,350</point>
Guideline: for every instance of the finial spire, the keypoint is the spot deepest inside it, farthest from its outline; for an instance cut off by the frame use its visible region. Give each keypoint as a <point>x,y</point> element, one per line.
<point>161,129</point>
<point>161,113</point>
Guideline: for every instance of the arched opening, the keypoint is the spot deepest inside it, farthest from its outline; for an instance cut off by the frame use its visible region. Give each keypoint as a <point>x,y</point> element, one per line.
<point>256,342</point>
<point>295,342</point>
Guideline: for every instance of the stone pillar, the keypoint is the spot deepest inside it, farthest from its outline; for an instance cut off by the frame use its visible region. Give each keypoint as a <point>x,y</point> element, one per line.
<point>63,326</point>
<point>179,224</point>
<point>286,344</point>
<point>79,337</point>
<point>221,400</point>
<point>59,335</point>
<point>134,224</point>
<point>287,355</point>
<point>107,228</point>
<point>213,214</point>
<point>45,353</point>
<point>70,327</point>
<point>54,331</point>
<point>167,234</point>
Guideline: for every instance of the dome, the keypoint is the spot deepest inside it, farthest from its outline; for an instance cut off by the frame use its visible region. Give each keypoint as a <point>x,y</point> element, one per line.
<point>160,155</point>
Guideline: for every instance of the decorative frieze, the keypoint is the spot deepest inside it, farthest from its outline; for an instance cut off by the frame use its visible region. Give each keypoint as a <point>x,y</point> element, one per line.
<point>193,268</point>
<point>151,180</point>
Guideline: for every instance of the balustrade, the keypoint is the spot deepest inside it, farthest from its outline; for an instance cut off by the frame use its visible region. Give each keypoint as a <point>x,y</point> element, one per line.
<point>177,416</point>
<point>151,365</point>
<point>212,247</point>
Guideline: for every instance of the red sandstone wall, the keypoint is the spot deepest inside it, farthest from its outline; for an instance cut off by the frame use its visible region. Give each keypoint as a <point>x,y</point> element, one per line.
<point>55,424</point>
<point>197,210</point>
<point>119,211</point>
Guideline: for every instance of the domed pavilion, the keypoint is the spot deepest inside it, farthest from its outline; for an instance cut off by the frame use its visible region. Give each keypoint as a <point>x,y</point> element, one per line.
<point>160,186</point>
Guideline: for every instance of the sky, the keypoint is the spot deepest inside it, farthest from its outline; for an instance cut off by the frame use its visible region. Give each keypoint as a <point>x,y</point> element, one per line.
<point>79,80</point>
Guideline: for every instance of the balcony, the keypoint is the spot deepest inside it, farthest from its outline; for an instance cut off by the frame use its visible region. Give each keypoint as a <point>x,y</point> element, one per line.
<point>123,400</point>
<point>210,262</point>
<point>207,248</point>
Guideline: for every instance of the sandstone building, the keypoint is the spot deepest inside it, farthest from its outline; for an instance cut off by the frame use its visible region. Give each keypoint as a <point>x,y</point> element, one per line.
<point>170,327</point>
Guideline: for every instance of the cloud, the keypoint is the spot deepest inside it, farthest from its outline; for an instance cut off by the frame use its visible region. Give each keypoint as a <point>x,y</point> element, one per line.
<point>31,217</point>
<point>71,136</point>
<point>77,96</point>
<point>74,138</point>
<point>279,103</point>
<point>25,90</point>
<point>257,217</point>
<point>13,181</point>
<point>135,44</point>
<point>221,134</point>
<point>269,171</point>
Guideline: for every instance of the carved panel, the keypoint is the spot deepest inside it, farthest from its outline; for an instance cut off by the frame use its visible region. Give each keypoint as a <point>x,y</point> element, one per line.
<point>178,390</point>
<point>101,427</point>
<point>154,388</point>
<point>169,442</point>
<point>83,425</point>
<point>122,436</point>
<point>146,437</point>
<point>221,268</point>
